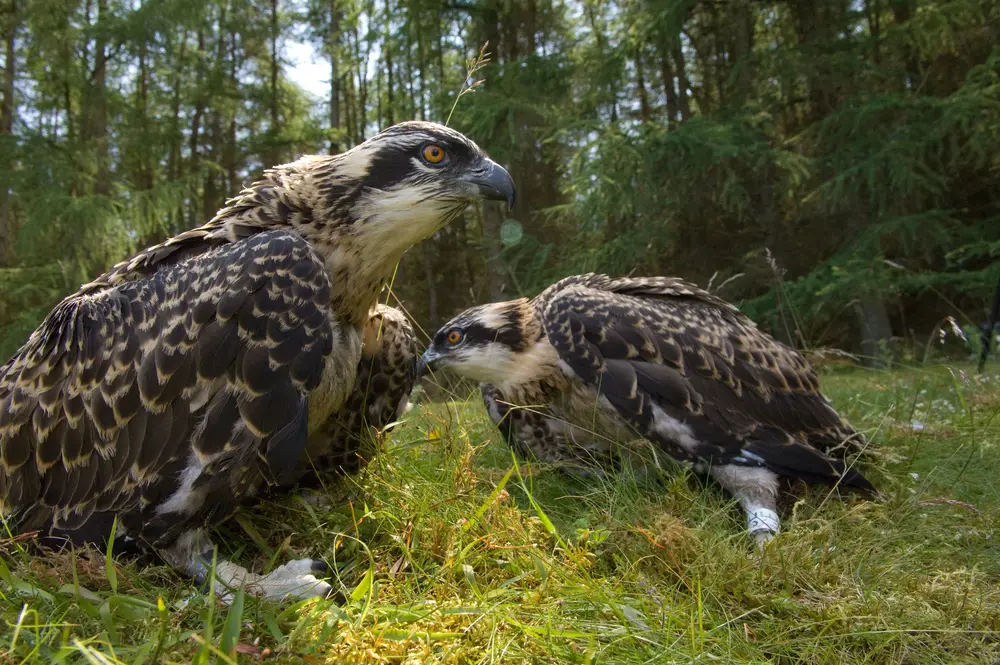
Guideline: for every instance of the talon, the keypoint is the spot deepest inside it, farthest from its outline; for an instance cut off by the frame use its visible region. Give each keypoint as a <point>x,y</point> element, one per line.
<point>320,566</point>
<point>316,499</point>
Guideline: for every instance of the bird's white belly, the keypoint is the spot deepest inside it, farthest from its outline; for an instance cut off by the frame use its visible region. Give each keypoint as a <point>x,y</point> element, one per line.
<point>338,377</point>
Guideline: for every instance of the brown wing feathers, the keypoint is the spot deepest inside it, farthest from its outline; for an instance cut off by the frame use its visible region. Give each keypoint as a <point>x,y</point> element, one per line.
<point>660,342</point>
<point>99,400</point>
<point>385,377</point>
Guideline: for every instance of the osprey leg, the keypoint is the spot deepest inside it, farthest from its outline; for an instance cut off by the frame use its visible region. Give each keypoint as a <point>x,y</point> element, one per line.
<point>756,489</point>
<point>192,555</point>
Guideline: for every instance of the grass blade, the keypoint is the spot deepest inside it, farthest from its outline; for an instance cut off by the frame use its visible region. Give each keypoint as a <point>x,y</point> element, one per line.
<point>491,499</point>
<point>109,562</point>
<point>364,586</point>
<point>231,630</point>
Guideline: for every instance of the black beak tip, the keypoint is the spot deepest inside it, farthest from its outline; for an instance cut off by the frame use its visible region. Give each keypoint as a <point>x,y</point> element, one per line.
<point>423,368</point>
<point>497,185</point>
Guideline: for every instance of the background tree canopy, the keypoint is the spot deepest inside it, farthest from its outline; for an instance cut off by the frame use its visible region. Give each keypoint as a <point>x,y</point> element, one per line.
<point>832,164</point>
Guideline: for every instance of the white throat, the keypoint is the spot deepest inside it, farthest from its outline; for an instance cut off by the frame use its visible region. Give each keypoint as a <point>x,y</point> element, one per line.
<point>500,366</point>
<point>392,221</point>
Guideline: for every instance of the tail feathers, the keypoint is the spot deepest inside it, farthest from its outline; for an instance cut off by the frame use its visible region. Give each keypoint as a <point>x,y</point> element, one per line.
<point>809,464</point>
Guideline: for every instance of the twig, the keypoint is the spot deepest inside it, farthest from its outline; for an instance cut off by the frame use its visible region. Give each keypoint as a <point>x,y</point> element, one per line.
<point>475,65</point>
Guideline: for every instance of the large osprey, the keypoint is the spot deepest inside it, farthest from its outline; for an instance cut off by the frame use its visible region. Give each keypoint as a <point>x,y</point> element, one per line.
<point>228,359</point>
<point>594,361</point>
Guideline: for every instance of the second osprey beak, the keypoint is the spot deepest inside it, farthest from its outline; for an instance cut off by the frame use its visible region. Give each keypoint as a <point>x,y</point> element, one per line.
<point>493,181</point>
<point>426,362</point>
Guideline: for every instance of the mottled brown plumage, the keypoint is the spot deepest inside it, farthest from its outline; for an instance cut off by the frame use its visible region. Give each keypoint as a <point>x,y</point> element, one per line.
<point>385,377</point>
<point>593,362</point>
<point>197,373</point>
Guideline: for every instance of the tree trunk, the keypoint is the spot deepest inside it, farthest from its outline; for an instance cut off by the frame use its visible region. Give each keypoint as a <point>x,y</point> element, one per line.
<point>275,150</point>
<point>362,114</point>
<point>7,128</point>
<point>408,63</point>
<point>669,86</point>
<point>421,72</point>
<point>989,331</point>
<point>601,43</point>
<point>333,40</point>
<point>349,110</point>
<point>174,156</point>
<point>462,232</point>
<point>816,24</point>
<point>145,166</point>
<point>440,61</point>
<point>641,83</point>
<point>212,194</point>
<point>66,66</point>
<point>740,53</point>
<point>492,220</point>
<point>529,13</point>
<point>491,217</point>
<point>432,291</point>
<point>176,136</point>
<point>210,191</point>
<point>874,27</point>
<point>387,49</point>
<point>193,141</point>
<point>10,69</point>
<point>683,85</point>
<point>231,154</point>
<point>902,11</point>
<point>876,330</point>
<point>98,124</point>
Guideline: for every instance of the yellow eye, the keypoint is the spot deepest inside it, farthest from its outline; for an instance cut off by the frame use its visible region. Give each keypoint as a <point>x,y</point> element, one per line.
<point>455,336</point>
<point>433,154</point>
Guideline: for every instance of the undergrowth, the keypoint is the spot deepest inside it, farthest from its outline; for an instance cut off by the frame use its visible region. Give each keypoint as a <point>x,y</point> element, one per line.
<point>448,550</point>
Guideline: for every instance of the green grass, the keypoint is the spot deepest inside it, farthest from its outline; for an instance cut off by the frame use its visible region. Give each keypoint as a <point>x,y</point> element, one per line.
<point>448,552</point>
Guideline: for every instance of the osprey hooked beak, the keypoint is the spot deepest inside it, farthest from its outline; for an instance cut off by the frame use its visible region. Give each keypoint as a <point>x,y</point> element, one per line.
<point>492,181</point>
<point>426,362</point>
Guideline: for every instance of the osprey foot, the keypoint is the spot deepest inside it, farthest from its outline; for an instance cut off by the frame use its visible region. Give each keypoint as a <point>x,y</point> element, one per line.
<point>317,499</point>
<point>296,579</point>
<point>192,554</point>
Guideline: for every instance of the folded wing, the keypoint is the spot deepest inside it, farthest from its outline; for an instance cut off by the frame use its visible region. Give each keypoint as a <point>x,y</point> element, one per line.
<point>210,357</point>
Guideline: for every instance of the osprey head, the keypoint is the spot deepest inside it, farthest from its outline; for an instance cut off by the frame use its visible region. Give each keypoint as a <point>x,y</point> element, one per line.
<point>377,199</point>
<point>485,343</point>
<point>391,191</point>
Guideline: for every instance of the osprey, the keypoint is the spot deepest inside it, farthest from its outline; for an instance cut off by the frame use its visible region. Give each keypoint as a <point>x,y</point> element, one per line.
<point>594,361</point>
<point>384,380</point>
<point>229,359</point>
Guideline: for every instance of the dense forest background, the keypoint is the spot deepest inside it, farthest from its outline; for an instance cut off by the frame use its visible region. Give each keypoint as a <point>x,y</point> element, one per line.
<point>830,165</point>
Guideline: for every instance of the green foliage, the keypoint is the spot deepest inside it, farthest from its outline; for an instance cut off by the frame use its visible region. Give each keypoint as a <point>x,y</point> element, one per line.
<point>854,145</point>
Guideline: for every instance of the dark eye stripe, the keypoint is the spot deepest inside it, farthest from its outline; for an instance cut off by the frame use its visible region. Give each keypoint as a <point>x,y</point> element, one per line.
<point>509,336</point>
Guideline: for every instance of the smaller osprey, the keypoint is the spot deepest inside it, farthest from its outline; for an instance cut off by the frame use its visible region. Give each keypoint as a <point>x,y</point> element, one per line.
<point>594,361</point>
<point>385,377</point>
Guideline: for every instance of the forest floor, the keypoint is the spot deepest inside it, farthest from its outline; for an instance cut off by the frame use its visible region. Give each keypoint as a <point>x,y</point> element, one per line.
<point>449,552</point>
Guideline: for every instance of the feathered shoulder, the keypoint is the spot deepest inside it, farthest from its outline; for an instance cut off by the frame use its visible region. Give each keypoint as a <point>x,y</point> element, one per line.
<point>646,287</point>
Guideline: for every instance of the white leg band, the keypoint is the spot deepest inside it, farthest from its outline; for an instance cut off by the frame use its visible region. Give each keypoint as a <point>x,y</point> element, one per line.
<point>762,519</point>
